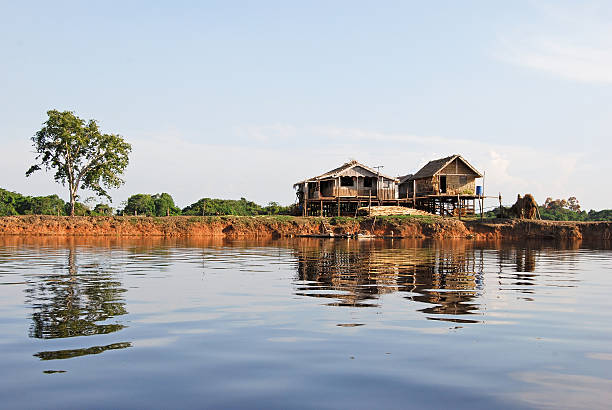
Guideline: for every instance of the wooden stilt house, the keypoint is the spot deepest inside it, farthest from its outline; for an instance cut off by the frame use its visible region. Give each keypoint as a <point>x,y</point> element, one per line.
<point>442,185</point>
<point>342,190</point>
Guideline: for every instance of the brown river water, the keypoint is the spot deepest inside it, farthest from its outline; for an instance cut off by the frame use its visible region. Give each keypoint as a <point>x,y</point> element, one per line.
<point>304,323</point>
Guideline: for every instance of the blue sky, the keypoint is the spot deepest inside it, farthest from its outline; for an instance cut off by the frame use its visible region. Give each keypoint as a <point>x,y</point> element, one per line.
<point>231,99</point>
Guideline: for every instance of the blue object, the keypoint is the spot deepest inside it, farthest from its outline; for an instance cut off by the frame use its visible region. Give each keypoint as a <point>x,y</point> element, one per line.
<point>478,190</point>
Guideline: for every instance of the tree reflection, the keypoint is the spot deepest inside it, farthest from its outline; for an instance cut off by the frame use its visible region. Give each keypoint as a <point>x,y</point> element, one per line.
<point>70,353</point>
<point>74,304</point>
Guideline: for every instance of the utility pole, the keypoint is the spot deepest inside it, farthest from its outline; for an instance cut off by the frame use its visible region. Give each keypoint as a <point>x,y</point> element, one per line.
<point>378,167</point>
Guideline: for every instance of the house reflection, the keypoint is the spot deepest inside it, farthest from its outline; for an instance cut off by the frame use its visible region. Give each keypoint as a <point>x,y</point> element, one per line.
<point>517,265</point>
<point>445,276</point>
<point>73,303</point>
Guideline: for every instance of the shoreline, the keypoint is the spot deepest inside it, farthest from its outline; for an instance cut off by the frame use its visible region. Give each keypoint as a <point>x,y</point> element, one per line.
<point>289,226</point>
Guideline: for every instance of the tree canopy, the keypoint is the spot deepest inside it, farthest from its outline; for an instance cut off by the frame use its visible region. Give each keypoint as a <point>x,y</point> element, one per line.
<point>152,205</point>
<point>13,203</point>
<point>82,156</point>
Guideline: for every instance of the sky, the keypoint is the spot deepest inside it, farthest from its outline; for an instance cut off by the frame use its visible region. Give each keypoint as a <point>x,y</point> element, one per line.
<point>235,99</point>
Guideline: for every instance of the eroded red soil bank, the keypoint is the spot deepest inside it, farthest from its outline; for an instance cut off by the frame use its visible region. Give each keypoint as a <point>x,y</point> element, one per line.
<point>407,227</point>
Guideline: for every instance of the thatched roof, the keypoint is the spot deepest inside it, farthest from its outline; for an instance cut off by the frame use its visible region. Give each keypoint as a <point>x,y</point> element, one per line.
<point>433,167</point>
<point>404,178</point>
<point>336,172</point>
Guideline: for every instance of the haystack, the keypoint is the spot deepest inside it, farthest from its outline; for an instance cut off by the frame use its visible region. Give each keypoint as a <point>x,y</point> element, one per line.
<point>524,208</point>
<point>390,210</point>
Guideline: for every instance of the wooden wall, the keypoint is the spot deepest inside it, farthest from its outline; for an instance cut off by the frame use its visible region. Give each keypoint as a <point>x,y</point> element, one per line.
<point>426,186</point>
<point>457,167</point>
<point>455,187</point>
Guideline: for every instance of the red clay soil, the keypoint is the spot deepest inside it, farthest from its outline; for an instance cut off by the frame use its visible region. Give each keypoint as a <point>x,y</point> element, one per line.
<point>262,226</point>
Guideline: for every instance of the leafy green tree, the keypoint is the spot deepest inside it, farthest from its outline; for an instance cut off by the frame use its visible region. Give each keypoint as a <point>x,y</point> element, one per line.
<point>82,156</point>
<point>603,215</point>
<point>210,206</point>
<point>8,202</point>
<point>42,205</point>
<point>102,209</point>
<point>164,205</point>
<point>13,203</point>
<point>141,204</point>
<point>273,208</point>
<point>79,209</point>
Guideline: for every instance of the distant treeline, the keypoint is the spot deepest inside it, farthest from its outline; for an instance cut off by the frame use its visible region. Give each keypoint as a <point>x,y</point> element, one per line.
<point>13,203</point>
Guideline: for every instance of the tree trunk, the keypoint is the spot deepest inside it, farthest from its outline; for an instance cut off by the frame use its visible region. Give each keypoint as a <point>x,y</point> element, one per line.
<point>72,201</point>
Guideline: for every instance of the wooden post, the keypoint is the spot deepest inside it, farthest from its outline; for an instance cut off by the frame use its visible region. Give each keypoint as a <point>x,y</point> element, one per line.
<point>459,205</point>
<point>321,209</point>
<point>377,183</point>
<point>500,205</point>
<point>484,174</point>
<point>305,198</point>
<point>480,206</point>
<point>338,206</point>
<point>370,204</point>
<point>414,193</point>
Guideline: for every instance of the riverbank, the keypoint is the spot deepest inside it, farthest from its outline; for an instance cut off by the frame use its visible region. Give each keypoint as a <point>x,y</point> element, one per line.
<point>289,226</point>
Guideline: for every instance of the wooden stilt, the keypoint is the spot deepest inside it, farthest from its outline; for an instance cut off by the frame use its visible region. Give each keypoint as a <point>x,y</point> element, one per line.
<point>459,205</point>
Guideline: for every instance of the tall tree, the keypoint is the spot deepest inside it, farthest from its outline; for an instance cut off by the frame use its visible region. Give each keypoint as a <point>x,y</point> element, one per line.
<point>81,155</point>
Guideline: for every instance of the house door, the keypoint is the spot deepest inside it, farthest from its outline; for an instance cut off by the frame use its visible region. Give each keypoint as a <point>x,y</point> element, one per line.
<point>442,184</point>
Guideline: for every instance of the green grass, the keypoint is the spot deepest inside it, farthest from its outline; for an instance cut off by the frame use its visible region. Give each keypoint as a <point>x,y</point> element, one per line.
<point>342,220</point>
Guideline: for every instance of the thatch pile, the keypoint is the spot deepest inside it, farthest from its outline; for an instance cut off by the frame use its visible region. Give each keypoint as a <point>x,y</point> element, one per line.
<point>389,210</point>
<point>524,208</point>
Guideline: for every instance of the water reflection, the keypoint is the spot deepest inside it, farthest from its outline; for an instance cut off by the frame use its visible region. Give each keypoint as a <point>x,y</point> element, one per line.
<point>356,273</point>
<point>70,353</point>
<point>72,303</point>
<point>200,307</point>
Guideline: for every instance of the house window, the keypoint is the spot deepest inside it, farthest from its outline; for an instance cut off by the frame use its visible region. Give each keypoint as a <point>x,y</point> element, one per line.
<point>346,181</point>
<point>367,182</point>
<point>462,179</point>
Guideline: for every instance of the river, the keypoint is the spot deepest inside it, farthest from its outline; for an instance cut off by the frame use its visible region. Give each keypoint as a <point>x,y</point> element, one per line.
<point>304,323</point>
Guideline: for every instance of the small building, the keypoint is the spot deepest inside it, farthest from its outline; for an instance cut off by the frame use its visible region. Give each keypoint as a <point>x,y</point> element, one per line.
<point>442,184</point>
<point>342,190</point>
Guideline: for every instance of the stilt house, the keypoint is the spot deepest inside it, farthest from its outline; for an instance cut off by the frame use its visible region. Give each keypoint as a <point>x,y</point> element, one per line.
<point>343,189</point>
<point>442,184</point>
